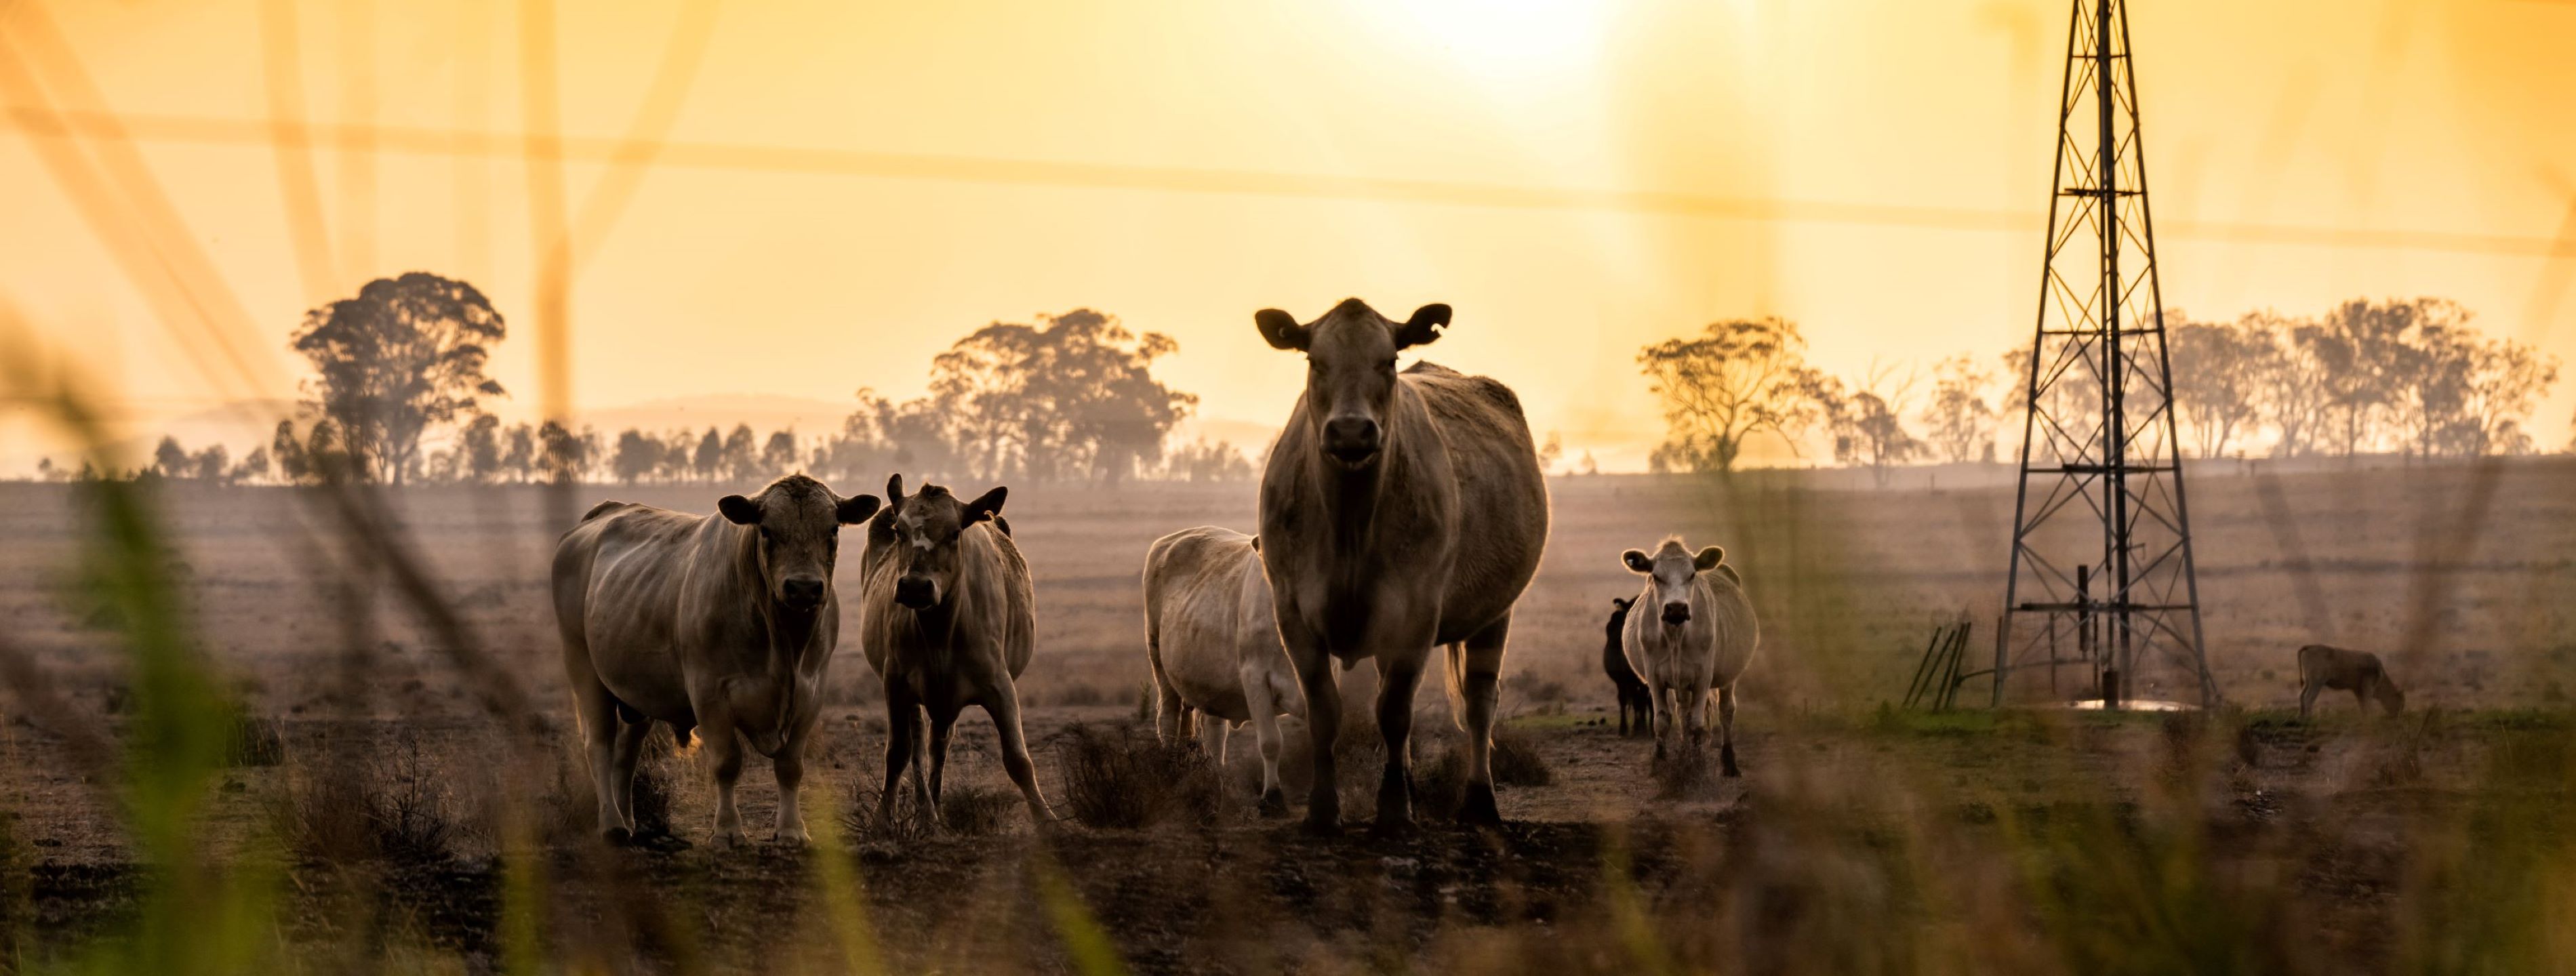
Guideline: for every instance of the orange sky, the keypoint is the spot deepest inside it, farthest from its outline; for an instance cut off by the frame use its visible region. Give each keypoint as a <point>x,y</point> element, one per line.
<point>850,186</point>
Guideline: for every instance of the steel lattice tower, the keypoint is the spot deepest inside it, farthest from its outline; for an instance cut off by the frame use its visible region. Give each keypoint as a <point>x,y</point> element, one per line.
<point>2101,571</point>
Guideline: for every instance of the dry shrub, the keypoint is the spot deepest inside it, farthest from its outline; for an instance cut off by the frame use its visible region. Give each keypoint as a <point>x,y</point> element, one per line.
<point>1117,777</point>
<point>391,808</point>
<point>964,811</point>
<point>976,811</point>
<point>1082,695</point>
<point>256,741</point>
<point>1686,772</point>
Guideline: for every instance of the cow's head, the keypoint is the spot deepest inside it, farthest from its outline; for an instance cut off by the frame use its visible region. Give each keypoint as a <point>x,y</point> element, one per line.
<point>1671,569</point>
<point>926,527</point>
<point>2389,697</point>
<point>1619,614</point>
<point>1350,370</point>
<point>799,522</point>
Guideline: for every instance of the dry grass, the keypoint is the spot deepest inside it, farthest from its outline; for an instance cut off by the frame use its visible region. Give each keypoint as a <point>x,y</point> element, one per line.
<point>1119,777</point>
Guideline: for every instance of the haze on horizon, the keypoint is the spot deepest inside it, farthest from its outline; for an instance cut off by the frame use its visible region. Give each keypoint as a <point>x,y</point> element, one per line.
<point>843,190</point>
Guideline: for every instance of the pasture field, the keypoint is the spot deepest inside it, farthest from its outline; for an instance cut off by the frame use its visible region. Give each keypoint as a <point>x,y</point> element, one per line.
<point>408,800</point>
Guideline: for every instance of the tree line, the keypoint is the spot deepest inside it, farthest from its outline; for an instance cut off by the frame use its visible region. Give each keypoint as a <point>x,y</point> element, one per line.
<point>2402,376</point>
<point>400,393</point>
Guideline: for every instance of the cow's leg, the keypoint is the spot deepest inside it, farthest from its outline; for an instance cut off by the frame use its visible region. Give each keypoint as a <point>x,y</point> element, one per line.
<point>1399,672</point>
<point>789,765</point>
<point>942,721</point>
<point>630,749</point>
<point>726,747</point>
<point>1171,716</point>
<point>2308,698</point>
<point>1481,673</point>
<point>1659,698</point>
<point>1726,729</point>
<point>1695,715</point>
<point>901,713</point>
<point>1264,708</point>
<point>1003,706</point>
<point>597,713</point>
<point>1323,720</point>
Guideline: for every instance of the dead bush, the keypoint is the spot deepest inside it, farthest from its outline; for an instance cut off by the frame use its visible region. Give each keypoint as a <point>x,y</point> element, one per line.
<point>1117,777</point>
<point>256,741</point>
<point>1686,772</point>
<point>393,808</point>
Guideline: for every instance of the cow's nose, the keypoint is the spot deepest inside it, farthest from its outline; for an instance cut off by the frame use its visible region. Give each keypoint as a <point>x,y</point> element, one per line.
<point>802,591</point>
<point>915,591</point>
<point>1351,439</point>
<point>1676,612</point>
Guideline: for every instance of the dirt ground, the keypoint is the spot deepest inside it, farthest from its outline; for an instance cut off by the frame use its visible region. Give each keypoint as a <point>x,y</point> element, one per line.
<point>1848,809</point>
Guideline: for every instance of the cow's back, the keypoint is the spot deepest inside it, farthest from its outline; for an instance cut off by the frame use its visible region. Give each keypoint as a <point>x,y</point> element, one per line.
<point>1502,497</point>
<point>2337,668</point>
<point>620,580</point>
<point>1735,632</point>
<point>1201,587</point>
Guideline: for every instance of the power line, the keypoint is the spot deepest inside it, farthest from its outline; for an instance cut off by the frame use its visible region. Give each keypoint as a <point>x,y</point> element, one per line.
<point>423,140</point>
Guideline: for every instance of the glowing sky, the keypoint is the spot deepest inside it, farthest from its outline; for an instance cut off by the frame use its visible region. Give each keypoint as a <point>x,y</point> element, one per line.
<point>850,186</point>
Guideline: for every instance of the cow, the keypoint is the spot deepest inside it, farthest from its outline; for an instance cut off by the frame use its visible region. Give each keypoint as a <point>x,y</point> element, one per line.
<point>1213,645</point>
<point>1692,631</point>
<point>948,620</point>
<point>1633,696</point>
<point>1399,511</point>
<point>2322,667</point>
<point>724,623</point>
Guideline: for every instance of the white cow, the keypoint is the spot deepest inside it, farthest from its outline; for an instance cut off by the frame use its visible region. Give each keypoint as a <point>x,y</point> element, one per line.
<point>1213,643</point>
<point>1691,630</point>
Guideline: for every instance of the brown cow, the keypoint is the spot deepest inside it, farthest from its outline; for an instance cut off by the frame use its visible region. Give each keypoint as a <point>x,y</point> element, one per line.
<point>1399,511</point>
<point>949,620</point>
<point>723,622</point>
<point>2322,667</point>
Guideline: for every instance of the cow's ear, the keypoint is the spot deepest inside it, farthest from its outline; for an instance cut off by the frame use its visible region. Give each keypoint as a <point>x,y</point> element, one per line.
<point>1423,327</point>
<point>853,511</point>
<point>1637,561</point>
<point>739,510</point>
<point>1708,558</point>
<point>894,491</point>
<point>1622,602</point>
<point>987,505</point>
<point>1281,329</point>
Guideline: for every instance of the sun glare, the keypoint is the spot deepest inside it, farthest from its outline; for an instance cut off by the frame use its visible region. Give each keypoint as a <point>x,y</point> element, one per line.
<point>1505,36</point>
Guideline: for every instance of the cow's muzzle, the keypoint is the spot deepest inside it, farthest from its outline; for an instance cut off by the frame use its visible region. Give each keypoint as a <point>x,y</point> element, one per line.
<point>1677,613</point>
<point>916,592</point>
<point>1352,440</point>
<point>802,592</point>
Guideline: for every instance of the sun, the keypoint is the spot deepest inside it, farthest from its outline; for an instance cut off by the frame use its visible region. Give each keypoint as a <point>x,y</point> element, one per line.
<point>1505,36</point>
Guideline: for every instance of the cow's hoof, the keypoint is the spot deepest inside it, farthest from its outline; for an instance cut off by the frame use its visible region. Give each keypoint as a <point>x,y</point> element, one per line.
<point>617,836</point>
<point>729,837</point>
<point>662,842</point>
<point>1392,828</point>
<point>1326,823</point>
<point>798,837</point>
<point>1274,803</point>
<point>1726,761</point>
<point>1476,809</point>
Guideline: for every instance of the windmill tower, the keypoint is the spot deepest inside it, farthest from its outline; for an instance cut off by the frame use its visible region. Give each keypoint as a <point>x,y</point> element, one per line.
<point>2101,574</point>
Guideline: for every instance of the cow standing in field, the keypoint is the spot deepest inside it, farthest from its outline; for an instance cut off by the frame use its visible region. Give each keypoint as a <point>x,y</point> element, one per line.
<point>1697,633</point>
<point>2322,667</point>
<point>722,622</point>
<point>950,620</point>
<point>1213,643</point>
<point>1634,699</point>
<point>1398,511</point>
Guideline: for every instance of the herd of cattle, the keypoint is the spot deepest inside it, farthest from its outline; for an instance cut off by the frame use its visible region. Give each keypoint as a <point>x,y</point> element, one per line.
<point>1399,512</point>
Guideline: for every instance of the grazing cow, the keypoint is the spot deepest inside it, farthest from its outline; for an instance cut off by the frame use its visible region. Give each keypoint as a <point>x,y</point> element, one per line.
<point>1214,645</point>
<point>1398,511</point>
<point>1697,633</point>
<point>722,622</point>
<point>2359,672</point>
<point>949,621</point>
<point>1633,696</point>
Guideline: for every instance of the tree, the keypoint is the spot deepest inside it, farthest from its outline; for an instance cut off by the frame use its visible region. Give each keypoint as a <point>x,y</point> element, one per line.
<point>1734,380</point>
<point>1074,394</point>
<point>741,454</point>
<point>2291,391</point>
<point>709,458</point>
<point>169,460</point>
<point>638,455</point>
<point>45,470</point>
<point>567,457</point>
<point>212,463</point>
<point>1550,451</point>
<point>1869,423</point>
<point>1958,419</point>
<point>253,466</point>
<point>480,446</point>
<point>519,460</point>
<point>778,456</point>
<point>2218,378</point>
<point>406,354</point>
